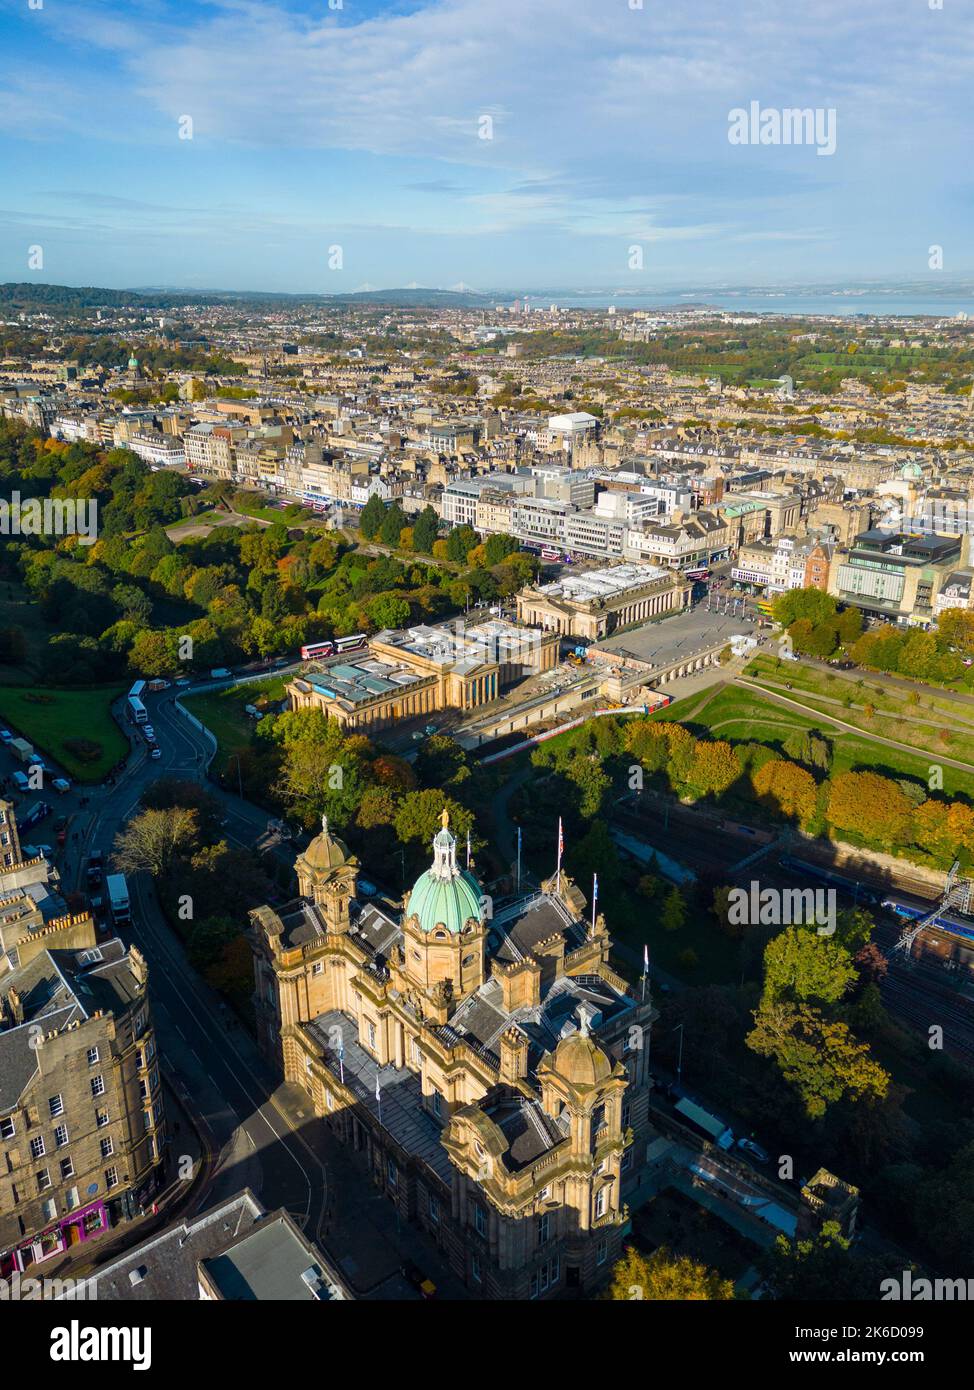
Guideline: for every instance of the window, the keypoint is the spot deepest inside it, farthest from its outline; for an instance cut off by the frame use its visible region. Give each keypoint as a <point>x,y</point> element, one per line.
<point>7,1127</point>
<point>37,1147</point>
<point>111,1177</point>
<point>329,1101</point>
<point>545,1277</point>
<point>626,1112</point>
<point>434,1209</point>
<point>544,1194</point>
<point>71,1198</point>
<point>480,1221</point>
<point>147,1120</point>
<point>101,1118</point>
<point>50,1209</point>
<point>56,1105</point>
<point>67,1168</point>
<point>602,1253</point>
<point>98,1085</point>
<point>543,1229</point>
<point>13,955</point>
<point>475,1268</point>
<point>61,1136</point>
<point>626,1163</point>
<point>43,1180</point>
<point>371,1033</point>
<point>107,1147</point>
<point>139,1059</point>
<point>436,1103</point>
<point>600,1200</point>
<point>92,1056</point>
<point>318,968</point>
<point>392,1173</point>
<point>144,1085</point>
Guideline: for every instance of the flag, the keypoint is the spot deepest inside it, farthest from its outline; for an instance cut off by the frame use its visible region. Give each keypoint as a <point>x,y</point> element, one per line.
<point>595,889</point>
<point>468,849</point>
<point>378,1089</point>
<point>645,959</point>
<point>519,839</point>
<point>561,840</point>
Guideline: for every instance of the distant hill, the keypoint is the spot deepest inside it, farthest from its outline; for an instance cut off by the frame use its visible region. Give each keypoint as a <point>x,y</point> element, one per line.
<point>70,298</point>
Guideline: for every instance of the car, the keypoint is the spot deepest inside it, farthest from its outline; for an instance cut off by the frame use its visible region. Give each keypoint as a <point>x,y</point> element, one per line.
<point>753,1150</point>
<point>62,836</point>
<point>61,784</point>
<point>155,752</point>
<point>6,736</point>
<point>60,824</point>
<point>183,681</point>
<point>148,731</point>
<point>37,851</point>
<point>150,739</point>
<point>415,1276</point>
<point>367,889</point>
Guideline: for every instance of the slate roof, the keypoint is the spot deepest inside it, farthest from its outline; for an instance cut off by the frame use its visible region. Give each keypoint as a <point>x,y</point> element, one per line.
<point>401,1093</point>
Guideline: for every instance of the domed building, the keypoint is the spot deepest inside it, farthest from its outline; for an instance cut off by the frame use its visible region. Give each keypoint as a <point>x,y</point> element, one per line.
<point>444,926</point>
<point>477,1051</point>
<point>328,875</point>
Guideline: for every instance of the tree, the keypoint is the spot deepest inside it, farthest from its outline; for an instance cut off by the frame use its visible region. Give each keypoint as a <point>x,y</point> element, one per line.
<point>153,839</point>
<point>800,965</point>
<point>872,807</point>
<point>424,532</point>
<point>787,789</point>
<point>674,910</point>
<point>821,1266</point>
<point>373,515</point>
<point>392,525</point>
<point>459,543</point>
<point>664,1277</point>
<point>714,768</point>
<point>818,1057</point>
<point>813,604</point>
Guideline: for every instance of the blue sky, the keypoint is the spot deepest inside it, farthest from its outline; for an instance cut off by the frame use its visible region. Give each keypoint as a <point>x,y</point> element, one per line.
<point>360,126</point>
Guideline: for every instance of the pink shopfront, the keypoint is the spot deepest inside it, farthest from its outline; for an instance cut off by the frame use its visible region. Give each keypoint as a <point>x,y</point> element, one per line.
<point>72,1230</point>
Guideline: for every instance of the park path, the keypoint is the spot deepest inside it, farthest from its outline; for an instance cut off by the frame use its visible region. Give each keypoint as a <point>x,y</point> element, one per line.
<point>853,728</point>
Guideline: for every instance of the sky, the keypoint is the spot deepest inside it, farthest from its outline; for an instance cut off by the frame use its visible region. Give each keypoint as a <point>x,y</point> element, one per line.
<point>332,145</point>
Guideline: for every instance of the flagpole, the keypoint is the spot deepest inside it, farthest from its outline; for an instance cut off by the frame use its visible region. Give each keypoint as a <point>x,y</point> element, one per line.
<point>558,872</point>
<point>378,1097</point>
<point>595,898</point>
<point>518,889</point>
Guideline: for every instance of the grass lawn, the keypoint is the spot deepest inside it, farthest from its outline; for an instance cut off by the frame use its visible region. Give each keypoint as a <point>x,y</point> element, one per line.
<point>740,715</point>
<point>223,714</point>
<point>51,719</point>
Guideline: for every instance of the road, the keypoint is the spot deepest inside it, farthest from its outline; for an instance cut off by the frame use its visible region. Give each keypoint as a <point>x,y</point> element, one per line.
<point>262,1132</point>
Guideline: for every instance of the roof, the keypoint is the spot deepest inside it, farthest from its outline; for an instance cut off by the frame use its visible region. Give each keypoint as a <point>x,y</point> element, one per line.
<point>272,1261</point>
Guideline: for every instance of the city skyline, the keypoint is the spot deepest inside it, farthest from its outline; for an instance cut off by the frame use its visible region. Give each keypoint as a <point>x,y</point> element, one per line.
<point>295,147</point>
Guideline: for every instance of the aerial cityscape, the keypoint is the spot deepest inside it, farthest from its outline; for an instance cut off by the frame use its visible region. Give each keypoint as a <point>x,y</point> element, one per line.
<point>486,665</point>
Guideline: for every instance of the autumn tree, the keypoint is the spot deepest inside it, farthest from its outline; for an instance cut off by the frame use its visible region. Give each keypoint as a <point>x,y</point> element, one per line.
<point>820,1058</point>
<point>870,806</point>
<point>153,839</point>
<point>789,790</point>
<point>664,1277</point>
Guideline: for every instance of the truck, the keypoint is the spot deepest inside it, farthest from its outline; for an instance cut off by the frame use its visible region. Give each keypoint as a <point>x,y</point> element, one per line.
<point>118,898</point>
<point>220,673</point>
<point>709,1125</point>
<point>33,816</point>
<point>22,750</point>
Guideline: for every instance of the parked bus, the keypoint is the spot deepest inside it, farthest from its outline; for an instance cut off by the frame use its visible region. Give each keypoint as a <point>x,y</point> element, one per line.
<point>350,644</point>
<point>137,690</point>
<point>311,650</point>
<point>137,711</point>
<point>548,552</point>
<point>701,573</point>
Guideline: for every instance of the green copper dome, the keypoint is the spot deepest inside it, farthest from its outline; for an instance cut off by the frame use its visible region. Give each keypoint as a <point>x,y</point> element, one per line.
<point>445,895</point>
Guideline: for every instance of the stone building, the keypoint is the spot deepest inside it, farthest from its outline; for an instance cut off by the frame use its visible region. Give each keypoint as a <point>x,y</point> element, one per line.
<point>483,1059</point>
<point>596,604</point>
<point>82,1124</point>
<point>418,671</point>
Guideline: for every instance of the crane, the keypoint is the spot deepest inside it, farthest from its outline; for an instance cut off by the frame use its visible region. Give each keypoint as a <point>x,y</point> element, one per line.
<point>957,894</point>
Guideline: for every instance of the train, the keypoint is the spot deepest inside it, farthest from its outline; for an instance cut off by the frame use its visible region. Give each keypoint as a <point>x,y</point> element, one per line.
<point>948,922</point>
<point>837,881</point>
